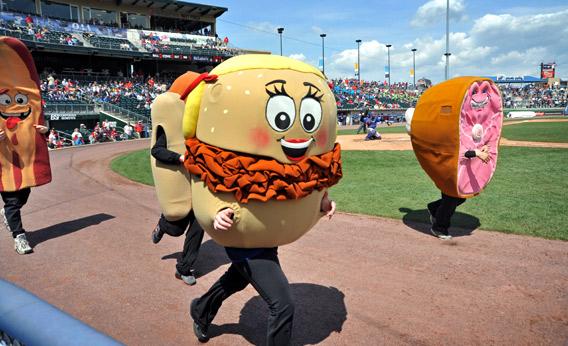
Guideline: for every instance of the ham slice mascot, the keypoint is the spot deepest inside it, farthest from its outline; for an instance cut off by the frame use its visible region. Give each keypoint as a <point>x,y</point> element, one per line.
<point>260,135</point>
<point>455,131</point>
<point>24,159</point>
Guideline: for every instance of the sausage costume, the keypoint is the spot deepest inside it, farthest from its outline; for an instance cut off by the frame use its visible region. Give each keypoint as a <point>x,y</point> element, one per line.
<point>453,117</point>
<point>24,158</point>
<point>260,135</point>
<point>171,182</point>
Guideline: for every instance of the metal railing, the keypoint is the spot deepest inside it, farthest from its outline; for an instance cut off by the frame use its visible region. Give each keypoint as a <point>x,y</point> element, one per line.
<point>122,114</point>
<point>31,321</point>
<point>69,108</point>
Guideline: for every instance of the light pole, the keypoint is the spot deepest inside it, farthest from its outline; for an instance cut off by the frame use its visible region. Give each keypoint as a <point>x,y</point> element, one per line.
<point>280,30</point>
<point>322,53</point>
<point>389,62</point>
<point>447,54</point>
<point>358,62</point>
<point>414,66</point>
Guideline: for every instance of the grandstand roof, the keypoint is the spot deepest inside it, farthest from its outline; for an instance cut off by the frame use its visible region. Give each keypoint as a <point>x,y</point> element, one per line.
<point>180,7</point>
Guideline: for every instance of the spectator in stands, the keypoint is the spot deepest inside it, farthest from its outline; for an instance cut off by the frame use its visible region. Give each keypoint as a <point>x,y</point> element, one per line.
<point>128,131</point>
<point>53,139</point>
<point>138,129</point>
<point>84,131</point>
<point>77,137</point>
<point>114,134</point>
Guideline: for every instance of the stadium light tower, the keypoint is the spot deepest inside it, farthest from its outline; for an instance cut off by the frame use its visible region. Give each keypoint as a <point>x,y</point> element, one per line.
<point>414,67</point>
<point>323,53</point>
<point>389,62</point>
<point>447,54</point>
<point>280,31</point>
<point>358,62</point>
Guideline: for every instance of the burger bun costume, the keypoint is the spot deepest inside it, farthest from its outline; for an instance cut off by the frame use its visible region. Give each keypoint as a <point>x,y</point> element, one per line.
<point>260,136</point>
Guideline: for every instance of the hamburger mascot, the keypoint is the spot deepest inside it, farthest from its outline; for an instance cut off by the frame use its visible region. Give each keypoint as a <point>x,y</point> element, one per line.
<point>455,131</point>
<point>24,159</point>
<point>260,136</point>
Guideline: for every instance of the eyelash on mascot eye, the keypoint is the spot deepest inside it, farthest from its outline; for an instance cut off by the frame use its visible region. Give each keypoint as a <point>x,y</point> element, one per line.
<point>277,92</point>
<point>313,95</point>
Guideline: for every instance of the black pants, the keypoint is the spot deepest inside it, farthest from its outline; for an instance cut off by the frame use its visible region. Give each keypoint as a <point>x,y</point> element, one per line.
<point>443,210</point>
<point>193,238</point>
<point>13,202</point>
<point>265,275</point>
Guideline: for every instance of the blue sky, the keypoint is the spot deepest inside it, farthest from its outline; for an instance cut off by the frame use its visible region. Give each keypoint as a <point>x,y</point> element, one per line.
<point>486,37</point>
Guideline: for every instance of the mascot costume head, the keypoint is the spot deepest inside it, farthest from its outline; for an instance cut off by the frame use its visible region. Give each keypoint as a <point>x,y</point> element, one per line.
<point>260,135</point>
<point>24,159</point>
<point>451,118</point>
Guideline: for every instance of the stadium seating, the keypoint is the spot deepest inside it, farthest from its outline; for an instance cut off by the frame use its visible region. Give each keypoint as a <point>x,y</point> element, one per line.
<point>110,42</point>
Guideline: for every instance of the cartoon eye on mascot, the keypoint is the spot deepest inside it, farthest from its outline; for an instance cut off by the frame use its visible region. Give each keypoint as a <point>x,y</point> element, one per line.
<point>260,136</point>
<point>459,115</point>
<point>24,158</point>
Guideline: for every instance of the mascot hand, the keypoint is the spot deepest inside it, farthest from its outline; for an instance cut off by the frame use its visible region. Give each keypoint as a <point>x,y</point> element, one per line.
<point>2,135</point>
<point>327,205</point>
<point>41,129</point>
<point>483,155</point>
<point>223,220</point>
<point>181,158</point>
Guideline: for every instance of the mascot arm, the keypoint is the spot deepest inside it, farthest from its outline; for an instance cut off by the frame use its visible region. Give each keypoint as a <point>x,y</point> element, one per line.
<point>161,152</point>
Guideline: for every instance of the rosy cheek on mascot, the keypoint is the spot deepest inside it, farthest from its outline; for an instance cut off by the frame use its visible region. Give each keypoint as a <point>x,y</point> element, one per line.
<point>24,159</point>
<point>460,115</point>
<point>260,136</point>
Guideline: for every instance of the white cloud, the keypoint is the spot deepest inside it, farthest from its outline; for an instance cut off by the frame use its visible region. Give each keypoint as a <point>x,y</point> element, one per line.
<point>434,11</point>
<point>372,54</point>
<point>264,26</point>
<point>317,30</point>
<point>298,56</point>
<point>495,44</point>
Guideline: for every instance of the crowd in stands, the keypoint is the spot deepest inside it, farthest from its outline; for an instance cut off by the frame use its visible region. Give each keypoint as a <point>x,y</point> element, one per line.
<point>373,95</point>
<point>101,133</point>
<point>534,96</point>
<point>135,95</point>
<point>160,43</point>
<point>156,42</point>
<point>27,29</point>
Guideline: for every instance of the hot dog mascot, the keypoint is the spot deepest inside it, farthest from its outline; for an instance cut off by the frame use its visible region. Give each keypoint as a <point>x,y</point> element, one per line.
<point>171,178</point>
<point>24,159</point>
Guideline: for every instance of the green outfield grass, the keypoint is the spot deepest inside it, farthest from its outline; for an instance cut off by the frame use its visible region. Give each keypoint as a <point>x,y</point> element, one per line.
<point>537,132</point>
<point>135,166</point>
<point>388,129</point>
<point>526,196</point>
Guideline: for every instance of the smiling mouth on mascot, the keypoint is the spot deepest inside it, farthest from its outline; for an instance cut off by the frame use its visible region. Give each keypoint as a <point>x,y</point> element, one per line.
<point>12,119</point>
<point>295,148</point>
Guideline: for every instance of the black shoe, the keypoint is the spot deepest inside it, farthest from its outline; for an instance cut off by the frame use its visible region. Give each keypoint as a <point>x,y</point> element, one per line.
<point>188,279</point>
<point>441,234</point>
<point>199,331</point>
<point>157,234</point>
<point>432,218</point>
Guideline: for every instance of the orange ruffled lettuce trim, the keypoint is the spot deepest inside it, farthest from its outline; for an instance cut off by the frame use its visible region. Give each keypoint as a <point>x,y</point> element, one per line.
<point>254,178</point>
